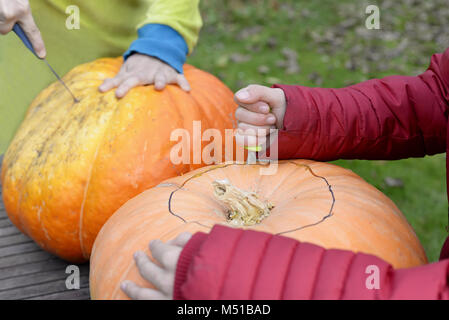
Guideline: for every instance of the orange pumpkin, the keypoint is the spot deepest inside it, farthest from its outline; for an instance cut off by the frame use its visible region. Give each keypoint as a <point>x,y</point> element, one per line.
<point>310,201</point>
<point>72,165</point>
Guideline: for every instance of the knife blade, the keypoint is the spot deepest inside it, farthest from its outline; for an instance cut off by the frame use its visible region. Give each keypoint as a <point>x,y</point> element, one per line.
<point>21,34</point>
<point>252,156</point>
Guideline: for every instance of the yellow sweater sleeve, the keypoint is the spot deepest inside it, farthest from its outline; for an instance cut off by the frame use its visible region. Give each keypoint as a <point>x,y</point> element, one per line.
<point>182,15</point>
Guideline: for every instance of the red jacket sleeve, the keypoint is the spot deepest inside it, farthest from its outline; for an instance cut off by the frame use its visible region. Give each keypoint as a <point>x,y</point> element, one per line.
<point>390,118</point>
<point>233,263</point>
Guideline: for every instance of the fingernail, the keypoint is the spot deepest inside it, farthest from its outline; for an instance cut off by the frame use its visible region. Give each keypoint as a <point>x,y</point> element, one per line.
<point>271,119</point>
<point>242,94</point>
<point>264,109</point>
<point>125,284</point>
<point>42,54</point>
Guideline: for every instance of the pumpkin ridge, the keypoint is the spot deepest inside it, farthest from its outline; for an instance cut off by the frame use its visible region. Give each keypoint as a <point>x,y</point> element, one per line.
<point>200,111</point>
<point>213,78</point>
<point>34,162</point>
<point>122,278</point>
<point>81,213</point>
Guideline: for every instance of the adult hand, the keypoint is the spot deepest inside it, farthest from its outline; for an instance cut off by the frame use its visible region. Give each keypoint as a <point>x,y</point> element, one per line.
<point>19,11</point>
<point>140,69</point>
<point>160,274</point>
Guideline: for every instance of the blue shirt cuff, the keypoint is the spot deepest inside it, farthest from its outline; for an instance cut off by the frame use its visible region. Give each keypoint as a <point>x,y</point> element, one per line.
<point>162,42</point>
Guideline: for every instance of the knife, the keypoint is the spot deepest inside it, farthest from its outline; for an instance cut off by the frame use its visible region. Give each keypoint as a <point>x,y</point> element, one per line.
<point>252,157</point>
<point>21,34</point>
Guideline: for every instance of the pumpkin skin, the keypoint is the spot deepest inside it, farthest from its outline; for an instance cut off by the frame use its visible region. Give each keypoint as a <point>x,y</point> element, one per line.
<point>363,219</point>
<point>72,165</point>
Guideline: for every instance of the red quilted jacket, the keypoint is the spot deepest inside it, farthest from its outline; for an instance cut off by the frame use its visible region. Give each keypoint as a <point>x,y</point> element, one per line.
<point>391,118</point>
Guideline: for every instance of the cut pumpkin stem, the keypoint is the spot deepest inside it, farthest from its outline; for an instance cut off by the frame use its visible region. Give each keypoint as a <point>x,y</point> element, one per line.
<point>244,208</point>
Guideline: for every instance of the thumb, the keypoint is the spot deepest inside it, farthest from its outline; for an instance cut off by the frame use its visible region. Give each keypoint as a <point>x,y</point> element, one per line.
<point>254,93</point>
<point>183,83</point>
<point>32,31</point>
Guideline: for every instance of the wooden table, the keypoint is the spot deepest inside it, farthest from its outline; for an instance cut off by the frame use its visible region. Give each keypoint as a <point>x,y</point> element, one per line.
<point>28,272</point>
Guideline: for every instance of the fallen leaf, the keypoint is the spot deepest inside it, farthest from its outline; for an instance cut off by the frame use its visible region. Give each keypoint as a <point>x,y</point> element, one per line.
<point>239,58</point>
<point>263,69</point>
<point>393,182</point>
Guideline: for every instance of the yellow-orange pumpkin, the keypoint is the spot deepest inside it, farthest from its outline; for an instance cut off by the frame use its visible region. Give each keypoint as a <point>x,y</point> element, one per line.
<point>71,165</point>
<point>315,202</point>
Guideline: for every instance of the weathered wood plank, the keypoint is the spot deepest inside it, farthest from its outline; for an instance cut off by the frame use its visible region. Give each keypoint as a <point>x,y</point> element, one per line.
<point>21,259</point>
<point>5,223</point>
<point>19,249</point>
<point>32,279</point>
<point>38,289</point>
<point>14,239</point>
<point>8,231</point>
<point>37,278</point>
<point>53,263</point>
<point>81,294</point>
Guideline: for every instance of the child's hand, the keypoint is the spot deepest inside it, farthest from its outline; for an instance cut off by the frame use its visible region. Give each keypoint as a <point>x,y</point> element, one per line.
<point>261,109</point>
<point>161,275</point>
<point>140,69</point>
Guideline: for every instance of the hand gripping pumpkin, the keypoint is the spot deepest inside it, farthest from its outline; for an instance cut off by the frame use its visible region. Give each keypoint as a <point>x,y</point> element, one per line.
<point>310,201</point>
<point>71,165</point>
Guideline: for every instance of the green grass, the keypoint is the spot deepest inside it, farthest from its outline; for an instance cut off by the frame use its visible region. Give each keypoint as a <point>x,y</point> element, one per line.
<point>422,199</point>
<point>241,36</point>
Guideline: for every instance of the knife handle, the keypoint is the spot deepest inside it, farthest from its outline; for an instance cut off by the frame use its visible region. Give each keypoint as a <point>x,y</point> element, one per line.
<point>21,34</point>
<point>254,148</point>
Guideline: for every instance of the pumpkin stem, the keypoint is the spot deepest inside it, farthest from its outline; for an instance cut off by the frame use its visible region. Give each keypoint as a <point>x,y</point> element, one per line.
<point>244,208</point>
